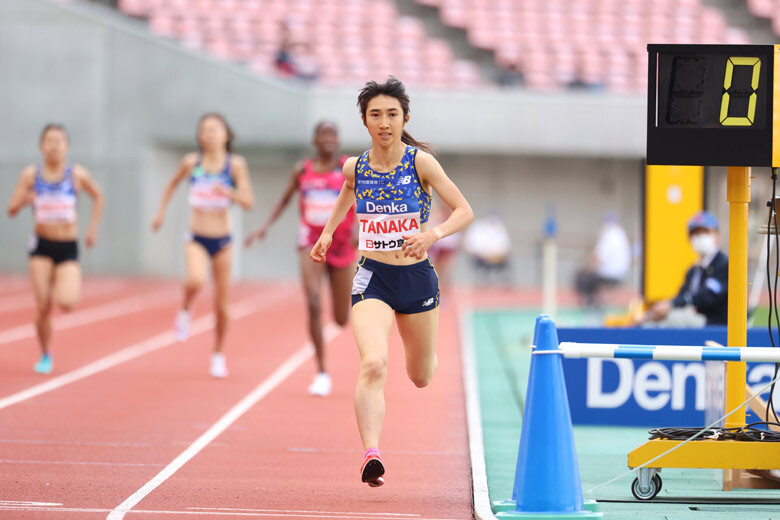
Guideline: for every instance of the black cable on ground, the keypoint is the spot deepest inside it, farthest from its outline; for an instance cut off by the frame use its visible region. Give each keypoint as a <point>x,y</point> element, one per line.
<point>771,205</point>
<point>751,432</point>
<point>687,501</point>
<point>773,297</point>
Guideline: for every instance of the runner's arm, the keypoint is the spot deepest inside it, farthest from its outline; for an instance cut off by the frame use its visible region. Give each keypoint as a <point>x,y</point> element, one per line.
<point>279,207</point>
<point>185,167</point>
<point>88,184</point>
<point>22,195</point>
<point>243,194</point>
<point>432,174</point>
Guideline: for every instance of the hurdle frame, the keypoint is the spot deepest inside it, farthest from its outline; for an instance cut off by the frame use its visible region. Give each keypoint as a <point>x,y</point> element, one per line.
<point>731,456</point>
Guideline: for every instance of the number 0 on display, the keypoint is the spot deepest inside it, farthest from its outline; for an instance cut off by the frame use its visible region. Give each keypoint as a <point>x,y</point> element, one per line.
<point>713,105</point>
<point>749,118</point>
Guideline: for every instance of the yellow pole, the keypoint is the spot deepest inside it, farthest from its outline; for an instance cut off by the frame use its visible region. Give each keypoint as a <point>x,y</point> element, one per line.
<point>738,195</point>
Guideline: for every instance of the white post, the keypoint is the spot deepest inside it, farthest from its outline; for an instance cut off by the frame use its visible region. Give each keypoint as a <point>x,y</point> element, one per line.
<point>549,276</point>
<point>550,264</point>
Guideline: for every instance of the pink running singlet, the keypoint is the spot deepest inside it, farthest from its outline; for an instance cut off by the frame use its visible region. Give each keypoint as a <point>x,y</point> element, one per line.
<point>318,194</point>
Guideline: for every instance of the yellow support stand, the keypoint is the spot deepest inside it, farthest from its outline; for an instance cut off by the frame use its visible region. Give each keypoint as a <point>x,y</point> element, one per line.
<point>738,195</point>
<point>732,456</point>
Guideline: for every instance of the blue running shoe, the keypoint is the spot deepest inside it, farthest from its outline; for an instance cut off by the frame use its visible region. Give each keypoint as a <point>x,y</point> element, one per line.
<point>44,365</point>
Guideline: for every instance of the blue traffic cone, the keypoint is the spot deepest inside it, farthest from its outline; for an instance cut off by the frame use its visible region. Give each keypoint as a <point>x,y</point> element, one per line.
<point>509,505</point>
<point>547,479</point>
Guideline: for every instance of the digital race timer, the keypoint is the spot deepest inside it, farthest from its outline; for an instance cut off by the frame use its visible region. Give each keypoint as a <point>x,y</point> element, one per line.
<point>713,105</point>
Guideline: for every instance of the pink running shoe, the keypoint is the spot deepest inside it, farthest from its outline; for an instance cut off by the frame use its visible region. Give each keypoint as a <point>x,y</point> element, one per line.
<point>372,468</point>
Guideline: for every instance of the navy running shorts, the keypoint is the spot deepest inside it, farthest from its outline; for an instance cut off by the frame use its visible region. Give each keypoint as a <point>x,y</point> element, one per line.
<point>407,289</point>
<point>58,251</point>
<point>211,245</point>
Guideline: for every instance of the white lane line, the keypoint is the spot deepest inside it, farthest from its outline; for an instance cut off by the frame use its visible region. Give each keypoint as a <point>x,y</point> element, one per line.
<point>238,310</point>
<point>396,452</point>
<point>9,284</point>
<point>76,463</point>
<point>324,514</point>
<point>17,302</point>
<point>27,300</point>
<point>106,311</point>
<point>480,492</point>
<point>25,503</point>
<point>287,511</point>
<point>75,443</point>
<point>275,379</point>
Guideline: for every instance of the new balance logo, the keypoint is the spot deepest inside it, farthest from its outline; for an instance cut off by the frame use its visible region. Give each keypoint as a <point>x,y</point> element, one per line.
<point>428,302</point>
<point>406,179</point>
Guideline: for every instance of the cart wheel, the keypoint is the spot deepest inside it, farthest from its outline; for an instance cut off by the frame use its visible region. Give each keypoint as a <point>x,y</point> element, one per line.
<point>659,483</point>
<point>651,491</point>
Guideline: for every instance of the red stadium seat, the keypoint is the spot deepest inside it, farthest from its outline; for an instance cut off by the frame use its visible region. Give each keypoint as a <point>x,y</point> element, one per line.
<point>554,42</point>
<point>511,27</point>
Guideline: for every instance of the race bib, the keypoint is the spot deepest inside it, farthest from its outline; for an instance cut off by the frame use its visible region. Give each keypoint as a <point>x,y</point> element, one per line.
<point>203,196</point>
<point>55,208</point>
<point>318,205</point>
<point>382,225</point>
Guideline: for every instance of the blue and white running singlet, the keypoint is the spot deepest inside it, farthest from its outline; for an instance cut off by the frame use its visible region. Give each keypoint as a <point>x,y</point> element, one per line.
<point>55,202</point>
<point>202,194</point>
<point>389,205</point>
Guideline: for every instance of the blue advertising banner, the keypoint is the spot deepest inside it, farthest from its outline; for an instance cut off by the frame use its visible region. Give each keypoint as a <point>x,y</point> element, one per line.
<point>650,393</point>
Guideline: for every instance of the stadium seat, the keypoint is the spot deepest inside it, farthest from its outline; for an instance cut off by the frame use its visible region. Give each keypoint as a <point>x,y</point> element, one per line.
<point>514,29</point>
<point>253,31</point>
<point>554,43</point>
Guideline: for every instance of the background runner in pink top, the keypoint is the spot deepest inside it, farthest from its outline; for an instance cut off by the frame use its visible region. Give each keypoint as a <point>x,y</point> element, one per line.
<point>318,194</point>
<point>319,181</point>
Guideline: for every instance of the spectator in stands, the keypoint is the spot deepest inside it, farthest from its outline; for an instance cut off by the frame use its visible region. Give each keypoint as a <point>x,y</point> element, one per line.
<point>296,59</point>
<point>511,76</point>
<point>607,265</point>
<point>705,288</point>
<point>304,62</point>
<point>284,56</point>
<point>487,241</point>
<point>585,78</point>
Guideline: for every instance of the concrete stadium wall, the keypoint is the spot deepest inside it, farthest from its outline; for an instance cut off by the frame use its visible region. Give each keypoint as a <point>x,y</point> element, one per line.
<point>131,102</point>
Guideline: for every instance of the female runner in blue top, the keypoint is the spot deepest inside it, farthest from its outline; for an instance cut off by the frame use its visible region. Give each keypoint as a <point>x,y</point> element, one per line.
<point>392,185</point>
<point>51,188</point>
<point>217,179</point>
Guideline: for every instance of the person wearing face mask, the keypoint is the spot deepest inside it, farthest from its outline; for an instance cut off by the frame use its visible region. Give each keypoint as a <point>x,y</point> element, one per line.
<point>706,283</point>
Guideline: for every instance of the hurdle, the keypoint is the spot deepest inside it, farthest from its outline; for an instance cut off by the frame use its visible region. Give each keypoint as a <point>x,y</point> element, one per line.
<point>663,453</point>
<point>668,352</point>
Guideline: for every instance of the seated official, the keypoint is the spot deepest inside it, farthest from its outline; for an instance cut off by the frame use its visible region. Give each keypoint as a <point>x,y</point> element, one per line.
<point>705,288</point>
<point>607,266</point>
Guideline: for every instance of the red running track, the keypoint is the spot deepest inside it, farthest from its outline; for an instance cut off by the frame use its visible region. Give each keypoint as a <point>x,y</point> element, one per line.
<point>95,438</point>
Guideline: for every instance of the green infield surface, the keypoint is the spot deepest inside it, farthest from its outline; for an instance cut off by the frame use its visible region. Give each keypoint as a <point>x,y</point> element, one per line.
<point>501,345</point>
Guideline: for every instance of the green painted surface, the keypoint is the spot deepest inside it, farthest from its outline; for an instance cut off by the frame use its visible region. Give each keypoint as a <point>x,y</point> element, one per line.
<point>502,342</point>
